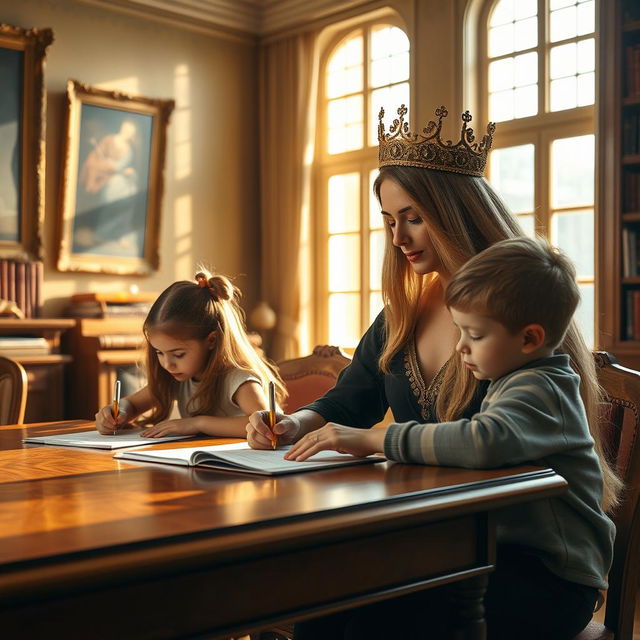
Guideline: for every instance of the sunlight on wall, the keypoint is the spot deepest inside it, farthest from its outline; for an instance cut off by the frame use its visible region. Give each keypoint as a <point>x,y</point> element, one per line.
<point>182,216</point>
<point>182,122</point>
<point>125,85</point>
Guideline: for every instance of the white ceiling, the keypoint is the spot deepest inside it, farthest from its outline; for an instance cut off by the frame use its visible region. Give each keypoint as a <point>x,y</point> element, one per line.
<point>254,17</point>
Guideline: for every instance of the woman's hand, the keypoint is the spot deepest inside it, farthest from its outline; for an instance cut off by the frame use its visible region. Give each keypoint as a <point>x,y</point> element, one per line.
<point>259,435</point>
<point>107,425</point>
<point>336,437</point>
<point>177,427</point>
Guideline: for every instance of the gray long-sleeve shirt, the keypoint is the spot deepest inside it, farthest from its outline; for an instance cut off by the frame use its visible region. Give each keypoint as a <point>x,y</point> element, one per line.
<point>532,415</point>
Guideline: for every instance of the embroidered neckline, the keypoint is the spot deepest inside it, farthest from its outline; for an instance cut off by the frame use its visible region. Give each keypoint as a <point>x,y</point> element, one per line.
<point>425,396</point>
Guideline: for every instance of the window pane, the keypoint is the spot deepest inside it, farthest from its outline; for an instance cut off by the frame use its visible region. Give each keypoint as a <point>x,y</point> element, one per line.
<point>512,175</point>
<point>585,313</point>
<point>347,54</point>
<point>501,40</point>
<point>525,9</point>
<point>586,55</point>
<point>390,98</point>
<point>501,74</point>
<point>586,89</point>
<point>563,61</point>
<point>376,252</point>
<point>501,106</point>
<point>375,217</point>
<point>387,40</point>
<point>558,4</point>
<point>344,69</point>
<point>563,94</point>
<point>344,202</point>
<point>586,18</point>
<point>572,162</point>
<point>375,305</point>
<point>344,319</point>
<point>526,101</point>
<point>563,24</point>
<point>345,124</point>
<point>573,232</point>
<point>344,262</point>
<point>502,13</point>
<point>526,69</point>
<point>526,33</point>
<point>388,70</point>
<point>528,224</point>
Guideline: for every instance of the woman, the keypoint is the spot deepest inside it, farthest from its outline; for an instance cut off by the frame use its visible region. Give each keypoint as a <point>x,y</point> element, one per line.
<point>439,212</point>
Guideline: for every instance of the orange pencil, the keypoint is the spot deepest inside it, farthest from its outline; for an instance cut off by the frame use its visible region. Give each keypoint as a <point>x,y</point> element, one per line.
<point>272,414</point>
<point>115,407</point>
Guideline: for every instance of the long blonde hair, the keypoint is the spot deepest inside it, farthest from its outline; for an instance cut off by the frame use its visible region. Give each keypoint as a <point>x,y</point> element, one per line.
<point>465,215</point>
<point>191,311</point>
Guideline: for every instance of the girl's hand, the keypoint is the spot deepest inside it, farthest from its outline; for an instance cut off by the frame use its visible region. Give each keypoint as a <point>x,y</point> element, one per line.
<point>336,437</point>
<point>178,427</point>
<point>259,435</point>
<point>107,425</point>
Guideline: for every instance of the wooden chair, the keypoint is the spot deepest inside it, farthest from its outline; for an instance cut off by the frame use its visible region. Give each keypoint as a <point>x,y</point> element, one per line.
<point>621,416</point>
<point>13,391</point>
<point>310,377</point>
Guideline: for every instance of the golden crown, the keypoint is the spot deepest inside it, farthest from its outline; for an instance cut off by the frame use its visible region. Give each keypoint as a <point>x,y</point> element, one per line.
<point>427,149</point>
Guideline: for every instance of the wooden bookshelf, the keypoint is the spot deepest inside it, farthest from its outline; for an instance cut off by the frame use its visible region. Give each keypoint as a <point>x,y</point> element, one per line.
<point>618,189</point>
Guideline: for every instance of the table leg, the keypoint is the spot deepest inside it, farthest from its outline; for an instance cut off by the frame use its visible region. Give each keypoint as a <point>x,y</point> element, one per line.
<point>468,603</point>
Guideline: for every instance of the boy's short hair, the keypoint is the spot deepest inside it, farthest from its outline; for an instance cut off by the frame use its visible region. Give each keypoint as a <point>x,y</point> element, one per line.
<point>517,282</point>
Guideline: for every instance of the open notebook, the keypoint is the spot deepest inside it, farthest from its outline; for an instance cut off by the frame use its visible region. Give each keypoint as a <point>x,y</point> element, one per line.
<point>95,440</point>
<point>240,457</point>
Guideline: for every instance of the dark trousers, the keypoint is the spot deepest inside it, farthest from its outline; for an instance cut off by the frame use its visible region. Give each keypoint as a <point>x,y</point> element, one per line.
<point>524,601</point>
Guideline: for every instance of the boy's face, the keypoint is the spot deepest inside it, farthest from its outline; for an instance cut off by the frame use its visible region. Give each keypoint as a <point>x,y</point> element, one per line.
<point>487,348</point>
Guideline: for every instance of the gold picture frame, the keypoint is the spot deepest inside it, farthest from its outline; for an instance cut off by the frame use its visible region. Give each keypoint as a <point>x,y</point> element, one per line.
<point>112,181</point>
<point>22,135</point>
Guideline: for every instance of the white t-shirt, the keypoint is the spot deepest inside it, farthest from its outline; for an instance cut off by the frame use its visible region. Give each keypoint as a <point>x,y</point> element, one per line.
<point>226,406</point>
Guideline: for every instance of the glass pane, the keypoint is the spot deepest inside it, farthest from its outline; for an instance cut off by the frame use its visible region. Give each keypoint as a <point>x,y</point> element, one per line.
<point>586,55</point>
<point>344,262</point>
<point>390,69</point>
<point>376,252</point>
<point>502,13</point>
<point>390,98</point>
<point>501,106</point>
<point>563,24</point>
<point>375,217</point>
<point>559,4</point>
<point>526,101</point>
<point>340,83</point>
<point>387,40</point>
<point>525,9</point>
<point>526,69</point>
<point>572,162</point>
<point>512,175</point>
<point>501,40</point>
<point>528,224</point>
<point>563,61</point>
<point>344,319</point>
<point>573,232</point>
<point>586,89</point>
<point>344,202</point>
<point>345,124</point>
<point>526,33</point>
<point>563,94</point>
<point>501,74</point>
<point>375,305</point>
<point>348,54</point>
<point>586,18</point>
<point>585,314</point>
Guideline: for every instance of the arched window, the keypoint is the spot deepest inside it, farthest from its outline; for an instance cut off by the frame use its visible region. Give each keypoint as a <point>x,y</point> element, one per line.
<point>365,69</point>
<point>538,85</point>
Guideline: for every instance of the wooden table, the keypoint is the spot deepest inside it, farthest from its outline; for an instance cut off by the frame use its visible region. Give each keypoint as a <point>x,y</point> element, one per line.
<point>93,547</point>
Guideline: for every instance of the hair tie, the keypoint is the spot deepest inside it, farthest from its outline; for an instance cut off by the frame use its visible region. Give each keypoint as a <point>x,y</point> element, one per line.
<point>203,283</point>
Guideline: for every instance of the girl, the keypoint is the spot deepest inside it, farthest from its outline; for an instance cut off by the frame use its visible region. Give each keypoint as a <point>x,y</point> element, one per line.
<point>198,354</point>
<point>438,212</point>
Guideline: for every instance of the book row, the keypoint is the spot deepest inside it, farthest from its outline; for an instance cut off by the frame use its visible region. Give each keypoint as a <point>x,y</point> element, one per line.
<point>631,191</point>
<point>21,282</point>
<point>631,320</point>
<point>632,56</point>
<point>631,134</point>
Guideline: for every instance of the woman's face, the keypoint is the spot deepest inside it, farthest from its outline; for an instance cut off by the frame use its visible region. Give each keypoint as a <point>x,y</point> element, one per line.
<point>409,231</point>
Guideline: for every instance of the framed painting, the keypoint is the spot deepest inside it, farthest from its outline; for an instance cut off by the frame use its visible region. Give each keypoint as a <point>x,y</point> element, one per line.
<point>112,181</point>
<point>22,158</point>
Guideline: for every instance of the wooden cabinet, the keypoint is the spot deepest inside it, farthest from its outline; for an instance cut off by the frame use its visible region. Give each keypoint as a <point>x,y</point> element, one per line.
<point>46,390</point>
<point>103,350</point>
<point>618,196</point>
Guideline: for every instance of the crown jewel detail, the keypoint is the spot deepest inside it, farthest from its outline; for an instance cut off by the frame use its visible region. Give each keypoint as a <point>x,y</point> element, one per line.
<point>427,149</point>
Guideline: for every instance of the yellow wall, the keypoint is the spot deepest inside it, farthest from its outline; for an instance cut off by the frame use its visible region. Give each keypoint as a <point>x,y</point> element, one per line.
<point>210,207</point>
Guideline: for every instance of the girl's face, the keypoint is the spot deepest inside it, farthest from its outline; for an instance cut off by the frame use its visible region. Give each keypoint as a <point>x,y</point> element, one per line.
<point>183,359</point>
<point>409,231</point>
